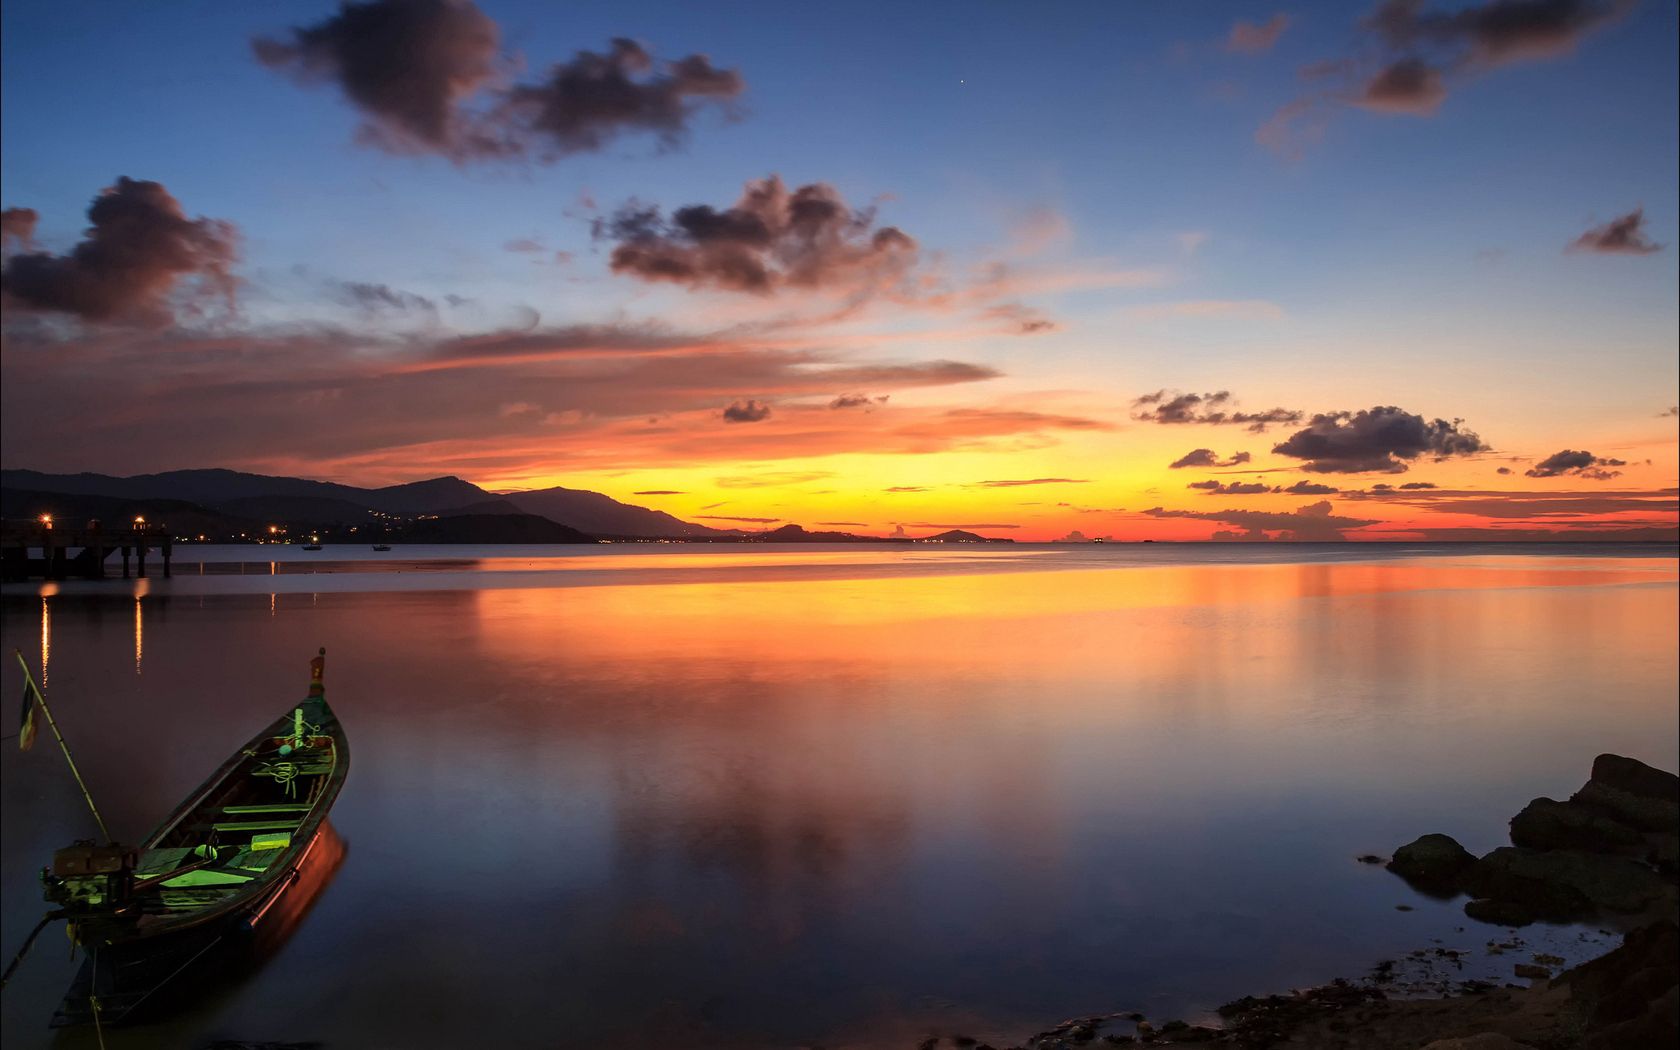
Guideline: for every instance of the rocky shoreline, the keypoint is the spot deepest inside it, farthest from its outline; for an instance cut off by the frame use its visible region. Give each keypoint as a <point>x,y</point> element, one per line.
<point>1607,855</point>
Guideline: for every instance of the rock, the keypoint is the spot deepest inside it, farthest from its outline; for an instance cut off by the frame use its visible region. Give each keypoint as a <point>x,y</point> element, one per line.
<point>1635,778</point>
<point>1629,997</point>
<point>1503,876</point>
<point>1548,824</point>
<point>1564,884</point>
<point>1665,853</point>
<point>1432,863</point>
<point>1647,814</point>
<point>1532,972</point>
<point>1633,793</point>
<point>1499,913</point>
<point>1485,1041</point>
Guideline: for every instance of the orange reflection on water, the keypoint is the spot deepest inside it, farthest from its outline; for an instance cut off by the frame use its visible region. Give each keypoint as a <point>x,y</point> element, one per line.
<point>1254,642</point>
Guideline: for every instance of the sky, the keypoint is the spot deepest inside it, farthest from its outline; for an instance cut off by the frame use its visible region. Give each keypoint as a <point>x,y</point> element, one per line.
<point>1242,271</point>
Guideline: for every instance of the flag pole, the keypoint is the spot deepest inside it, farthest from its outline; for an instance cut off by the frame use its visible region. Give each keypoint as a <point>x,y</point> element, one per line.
<point>29,683</point>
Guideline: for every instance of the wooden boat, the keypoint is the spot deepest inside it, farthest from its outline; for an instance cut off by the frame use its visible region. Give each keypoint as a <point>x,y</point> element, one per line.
<point>381,546</point>
<point>215,869</point>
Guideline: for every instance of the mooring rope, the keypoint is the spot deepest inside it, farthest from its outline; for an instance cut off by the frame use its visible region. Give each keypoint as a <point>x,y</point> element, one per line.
<point>27,943</point>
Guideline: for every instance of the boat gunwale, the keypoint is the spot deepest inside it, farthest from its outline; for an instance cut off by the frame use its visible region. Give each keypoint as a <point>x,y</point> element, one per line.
<point>278,875</point>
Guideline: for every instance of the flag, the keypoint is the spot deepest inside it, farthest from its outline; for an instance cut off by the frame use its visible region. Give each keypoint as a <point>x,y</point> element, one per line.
<point>26,731</point>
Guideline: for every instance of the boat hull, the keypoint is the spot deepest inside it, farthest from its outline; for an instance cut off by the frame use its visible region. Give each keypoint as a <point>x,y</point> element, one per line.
<point>169,927</point>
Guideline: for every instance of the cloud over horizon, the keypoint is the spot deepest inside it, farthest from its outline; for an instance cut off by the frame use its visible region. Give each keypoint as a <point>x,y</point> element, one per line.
<point>1411,58</point>
<point>1314,522</point>
<point>771,239</point>
<point>1577,463</point>
<point>1384,439</point>
<point>138,247</point>
<point>413,68</point>
<point>1172,407</point>
<point>1206,457</point>
<point>1620,236</point>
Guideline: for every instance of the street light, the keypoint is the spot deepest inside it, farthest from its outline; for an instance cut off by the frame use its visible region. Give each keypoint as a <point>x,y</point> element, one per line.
<point>46,521</point>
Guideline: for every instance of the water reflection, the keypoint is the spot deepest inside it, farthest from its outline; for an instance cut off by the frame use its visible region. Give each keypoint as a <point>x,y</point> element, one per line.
<point>738,810</point>
<point>213,981</point>
<point>46,639</point>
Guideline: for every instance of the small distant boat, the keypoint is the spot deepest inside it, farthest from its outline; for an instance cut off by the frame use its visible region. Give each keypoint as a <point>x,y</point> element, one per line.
<point>311,546</point>
<point>211,871</point>
<point>381,546</point>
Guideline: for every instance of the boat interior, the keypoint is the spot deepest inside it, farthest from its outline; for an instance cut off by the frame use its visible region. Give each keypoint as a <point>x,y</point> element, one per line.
<point>240,827</point>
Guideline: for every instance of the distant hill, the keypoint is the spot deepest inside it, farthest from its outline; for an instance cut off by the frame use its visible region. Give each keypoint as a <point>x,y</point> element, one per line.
<point>489,528</point>
<point>800,534</point>
<point>258,500</point>
<point>301,510</point>
<point>488,506</point>
<point>959,536</point>
<point>116,513</point>
<point>215,487</point>
<point>604,516</point>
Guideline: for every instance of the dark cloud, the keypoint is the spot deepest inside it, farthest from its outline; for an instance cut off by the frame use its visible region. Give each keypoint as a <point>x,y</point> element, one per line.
<point>659,492</point>
<point>1019,319</point>
<point>1015,482</point>
<point>858,401</point>
<point>414,68</point>
<point>407,65</point>
<point>1312,523</point>
<point>1410,85</point>
<point>378,297</point>
<point>1231,488</point>
<point>770,239</point>
<point>17,227</point>
<point>1579,464</point>
<point>1165,406</point>
<point>1412,58</point>
<point>1379,440</point>
<point>1251,38</point>
<point>139,244</point>
<point>1206,457</point>
<point>1418,485</point>
<point>1496,32</point>
<point>748,411</point>
<point>1575,532</point>
<point>1670,413</point>
<point>1308,488</point>
<point>1621,236</point>
<point>584,104</point>
<point>1656,506</point>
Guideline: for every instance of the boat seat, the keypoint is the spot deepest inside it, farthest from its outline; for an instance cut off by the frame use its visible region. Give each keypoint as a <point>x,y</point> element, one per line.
<point>160,861</point>
<point>278,807</point>
<point>250,825</point>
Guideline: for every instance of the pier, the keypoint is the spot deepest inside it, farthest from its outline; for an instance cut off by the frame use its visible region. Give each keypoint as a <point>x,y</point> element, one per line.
<point>66,552</point>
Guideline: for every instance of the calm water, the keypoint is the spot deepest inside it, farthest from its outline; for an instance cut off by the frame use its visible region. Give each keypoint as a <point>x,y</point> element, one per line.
<point>708,796</point>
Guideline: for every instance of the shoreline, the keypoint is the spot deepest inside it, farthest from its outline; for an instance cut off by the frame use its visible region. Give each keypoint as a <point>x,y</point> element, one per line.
<point>1604,858</point>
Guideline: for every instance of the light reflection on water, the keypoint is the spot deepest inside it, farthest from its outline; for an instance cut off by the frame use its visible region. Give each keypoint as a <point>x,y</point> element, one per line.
<point>841,806</point>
